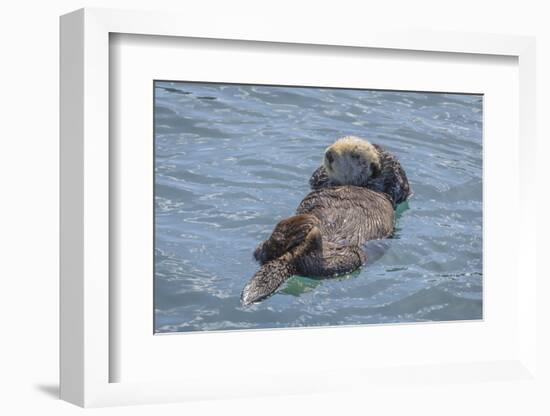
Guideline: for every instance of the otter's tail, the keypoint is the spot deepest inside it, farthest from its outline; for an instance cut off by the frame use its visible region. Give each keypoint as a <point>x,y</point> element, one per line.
<point>292,239</point>
<point>266,280</point>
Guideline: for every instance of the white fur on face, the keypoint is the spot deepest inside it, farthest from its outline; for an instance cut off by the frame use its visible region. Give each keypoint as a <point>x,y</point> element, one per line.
<point>349,161</point>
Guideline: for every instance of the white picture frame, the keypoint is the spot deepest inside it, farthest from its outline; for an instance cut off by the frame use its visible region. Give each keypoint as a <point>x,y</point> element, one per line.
<point>86,305</point>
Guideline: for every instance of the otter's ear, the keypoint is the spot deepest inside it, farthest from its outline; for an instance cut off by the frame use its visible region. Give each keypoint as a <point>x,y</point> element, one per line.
<point>375,169</point>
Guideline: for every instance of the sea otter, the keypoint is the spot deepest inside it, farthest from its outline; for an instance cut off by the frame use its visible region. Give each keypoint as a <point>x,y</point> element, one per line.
<point>323,239</point>
<point>332,222</point>
<point>355,161</point>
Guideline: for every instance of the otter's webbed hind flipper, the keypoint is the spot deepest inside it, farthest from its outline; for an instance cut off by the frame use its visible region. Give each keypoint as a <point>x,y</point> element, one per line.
<point>292,239</point>
<point>288,233</point>
<point>308,259</point>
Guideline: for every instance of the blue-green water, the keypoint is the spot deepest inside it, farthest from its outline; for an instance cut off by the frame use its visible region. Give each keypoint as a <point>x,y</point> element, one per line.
<point>232,160</point>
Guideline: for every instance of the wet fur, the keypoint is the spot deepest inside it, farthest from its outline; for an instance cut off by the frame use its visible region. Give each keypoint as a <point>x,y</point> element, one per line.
<point>354,195</point>
<point>323,239</point>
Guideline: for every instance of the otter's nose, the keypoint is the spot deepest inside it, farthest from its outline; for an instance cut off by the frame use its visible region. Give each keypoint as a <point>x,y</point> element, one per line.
<point>330,156</point>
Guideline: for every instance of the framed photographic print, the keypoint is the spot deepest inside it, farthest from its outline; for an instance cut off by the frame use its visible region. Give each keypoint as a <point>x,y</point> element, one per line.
<point>227,197</point>
<point>232,160</point>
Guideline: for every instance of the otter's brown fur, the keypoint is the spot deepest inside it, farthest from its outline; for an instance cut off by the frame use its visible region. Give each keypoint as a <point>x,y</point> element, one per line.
<point>323,239</point>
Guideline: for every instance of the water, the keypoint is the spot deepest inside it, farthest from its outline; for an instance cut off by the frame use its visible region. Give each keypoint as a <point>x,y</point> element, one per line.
<point>232,160</point>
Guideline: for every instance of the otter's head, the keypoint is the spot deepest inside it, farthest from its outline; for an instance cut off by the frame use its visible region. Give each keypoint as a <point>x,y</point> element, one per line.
<point>351,161</point>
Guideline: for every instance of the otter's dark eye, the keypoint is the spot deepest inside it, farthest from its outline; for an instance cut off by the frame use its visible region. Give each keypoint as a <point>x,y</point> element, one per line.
<point>330,156</point>
<point>355,155</point>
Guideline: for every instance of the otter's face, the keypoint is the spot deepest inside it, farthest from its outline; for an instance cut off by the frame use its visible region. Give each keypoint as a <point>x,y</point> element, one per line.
<point>351,161</point>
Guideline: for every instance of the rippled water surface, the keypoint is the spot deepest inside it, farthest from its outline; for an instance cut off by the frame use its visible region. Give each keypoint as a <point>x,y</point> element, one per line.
<point>232,160</point>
